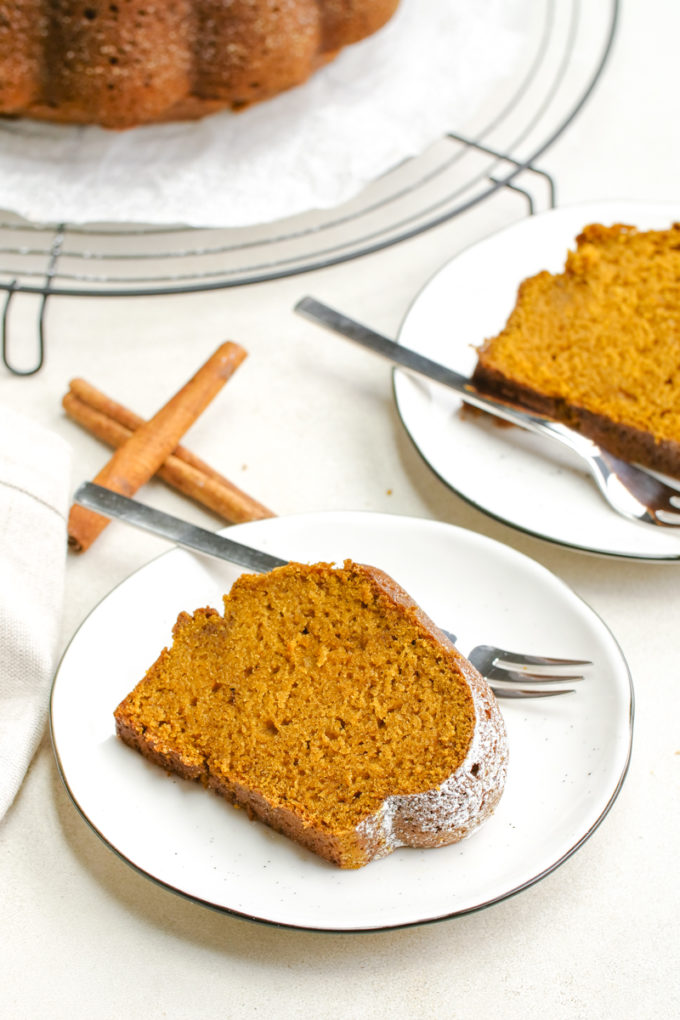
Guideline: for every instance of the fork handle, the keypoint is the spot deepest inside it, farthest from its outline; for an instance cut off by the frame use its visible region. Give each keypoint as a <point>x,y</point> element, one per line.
<point>147,518</point>
<point>407,358</point>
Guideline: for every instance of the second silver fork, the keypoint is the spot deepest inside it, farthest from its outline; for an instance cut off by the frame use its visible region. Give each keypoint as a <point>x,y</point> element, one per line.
<point>631,491</point>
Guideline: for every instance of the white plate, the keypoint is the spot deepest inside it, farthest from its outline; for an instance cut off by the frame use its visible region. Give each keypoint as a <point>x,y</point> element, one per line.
<point>529,483</point>
<point>568,755</point>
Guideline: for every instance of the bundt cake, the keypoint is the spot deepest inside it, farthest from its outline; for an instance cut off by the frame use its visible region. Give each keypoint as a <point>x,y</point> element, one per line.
<point>598,345</point>
<point>327,704</point>
<point>130,62</point>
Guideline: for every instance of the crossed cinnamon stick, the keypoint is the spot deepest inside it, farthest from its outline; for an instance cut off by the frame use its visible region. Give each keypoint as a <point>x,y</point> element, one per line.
<point>146,448</point>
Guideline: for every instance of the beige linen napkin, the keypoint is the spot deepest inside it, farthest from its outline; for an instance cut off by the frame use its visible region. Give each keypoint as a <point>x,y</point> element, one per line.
<point>34,493</point>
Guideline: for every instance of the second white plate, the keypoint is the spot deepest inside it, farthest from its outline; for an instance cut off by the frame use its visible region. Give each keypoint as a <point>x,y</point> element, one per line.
<point>529,483</point>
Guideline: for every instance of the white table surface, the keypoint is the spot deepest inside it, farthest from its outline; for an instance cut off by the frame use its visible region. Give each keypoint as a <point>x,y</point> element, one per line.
<point>310,424</point>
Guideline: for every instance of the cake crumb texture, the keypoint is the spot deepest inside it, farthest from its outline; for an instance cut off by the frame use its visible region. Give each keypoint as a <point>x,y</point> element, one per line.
<point>325,702</point>
<point>598,345</point>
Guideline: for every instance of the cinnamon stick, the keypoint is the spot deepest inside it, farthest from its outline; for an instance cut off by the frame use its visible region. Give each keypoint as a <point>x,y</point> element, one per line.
<point>99,401</point>
<point>182,470</point>
<point>150,445</point>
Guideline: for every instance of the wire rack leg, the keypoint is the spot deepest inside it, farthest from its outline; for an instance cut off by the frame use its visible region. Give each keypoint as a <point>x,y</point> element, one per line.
<point>519,166</point>
<point>12,289</point>
<point>4,339</point>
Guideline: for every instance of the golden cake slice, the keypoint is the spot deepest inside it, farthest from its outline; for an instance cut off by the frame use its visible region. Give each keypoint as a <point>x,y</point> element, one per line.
<point>598,345</point>
<point>326,703</point>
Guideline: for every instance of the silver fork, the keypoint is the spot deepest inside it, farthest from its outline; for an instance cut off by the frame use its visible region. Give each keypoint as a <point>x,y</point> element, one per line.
<point>631,491</point>
<point>504,669</point>
<point>500,667</point>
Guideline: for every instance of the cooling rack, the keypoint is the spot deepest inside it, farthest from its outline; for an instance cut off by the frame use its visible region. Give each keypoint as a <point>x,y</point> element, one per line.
<point>567,43</point>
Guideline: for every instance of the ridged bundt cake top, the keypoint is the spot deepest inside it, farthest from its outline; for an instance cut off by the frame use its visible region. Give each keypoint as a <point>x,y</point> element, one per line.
<point>130,62</point>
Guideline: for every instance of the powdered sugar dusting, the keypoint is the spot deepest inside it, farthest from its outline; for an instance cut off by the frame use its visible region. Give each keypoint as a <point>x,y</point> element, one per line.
<point>453,810</point>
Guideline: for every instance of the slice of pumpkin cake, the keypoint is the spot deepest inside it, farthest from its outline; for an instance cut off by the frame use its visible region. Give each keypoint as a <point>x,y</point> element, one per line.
<point>326,703</point>
<point>598,345</point>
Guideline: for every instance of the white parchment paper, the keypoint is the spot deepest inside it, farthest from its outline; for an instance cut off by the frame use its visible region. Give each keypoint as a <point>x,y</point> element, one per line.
<point>383,100</point>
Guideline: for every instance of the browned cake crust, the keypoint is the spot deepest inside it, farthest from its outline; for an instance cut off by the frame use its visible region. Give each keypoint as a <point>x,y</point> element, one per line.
<point>597,346</point>
<point>327,704</point>
<point>128,63</point>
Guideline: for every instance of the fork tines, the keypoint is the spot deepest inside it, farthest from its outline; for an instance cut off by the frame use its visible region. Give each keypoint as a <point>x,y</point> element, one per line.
<point>541,676</point>
<point>539,664</point>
